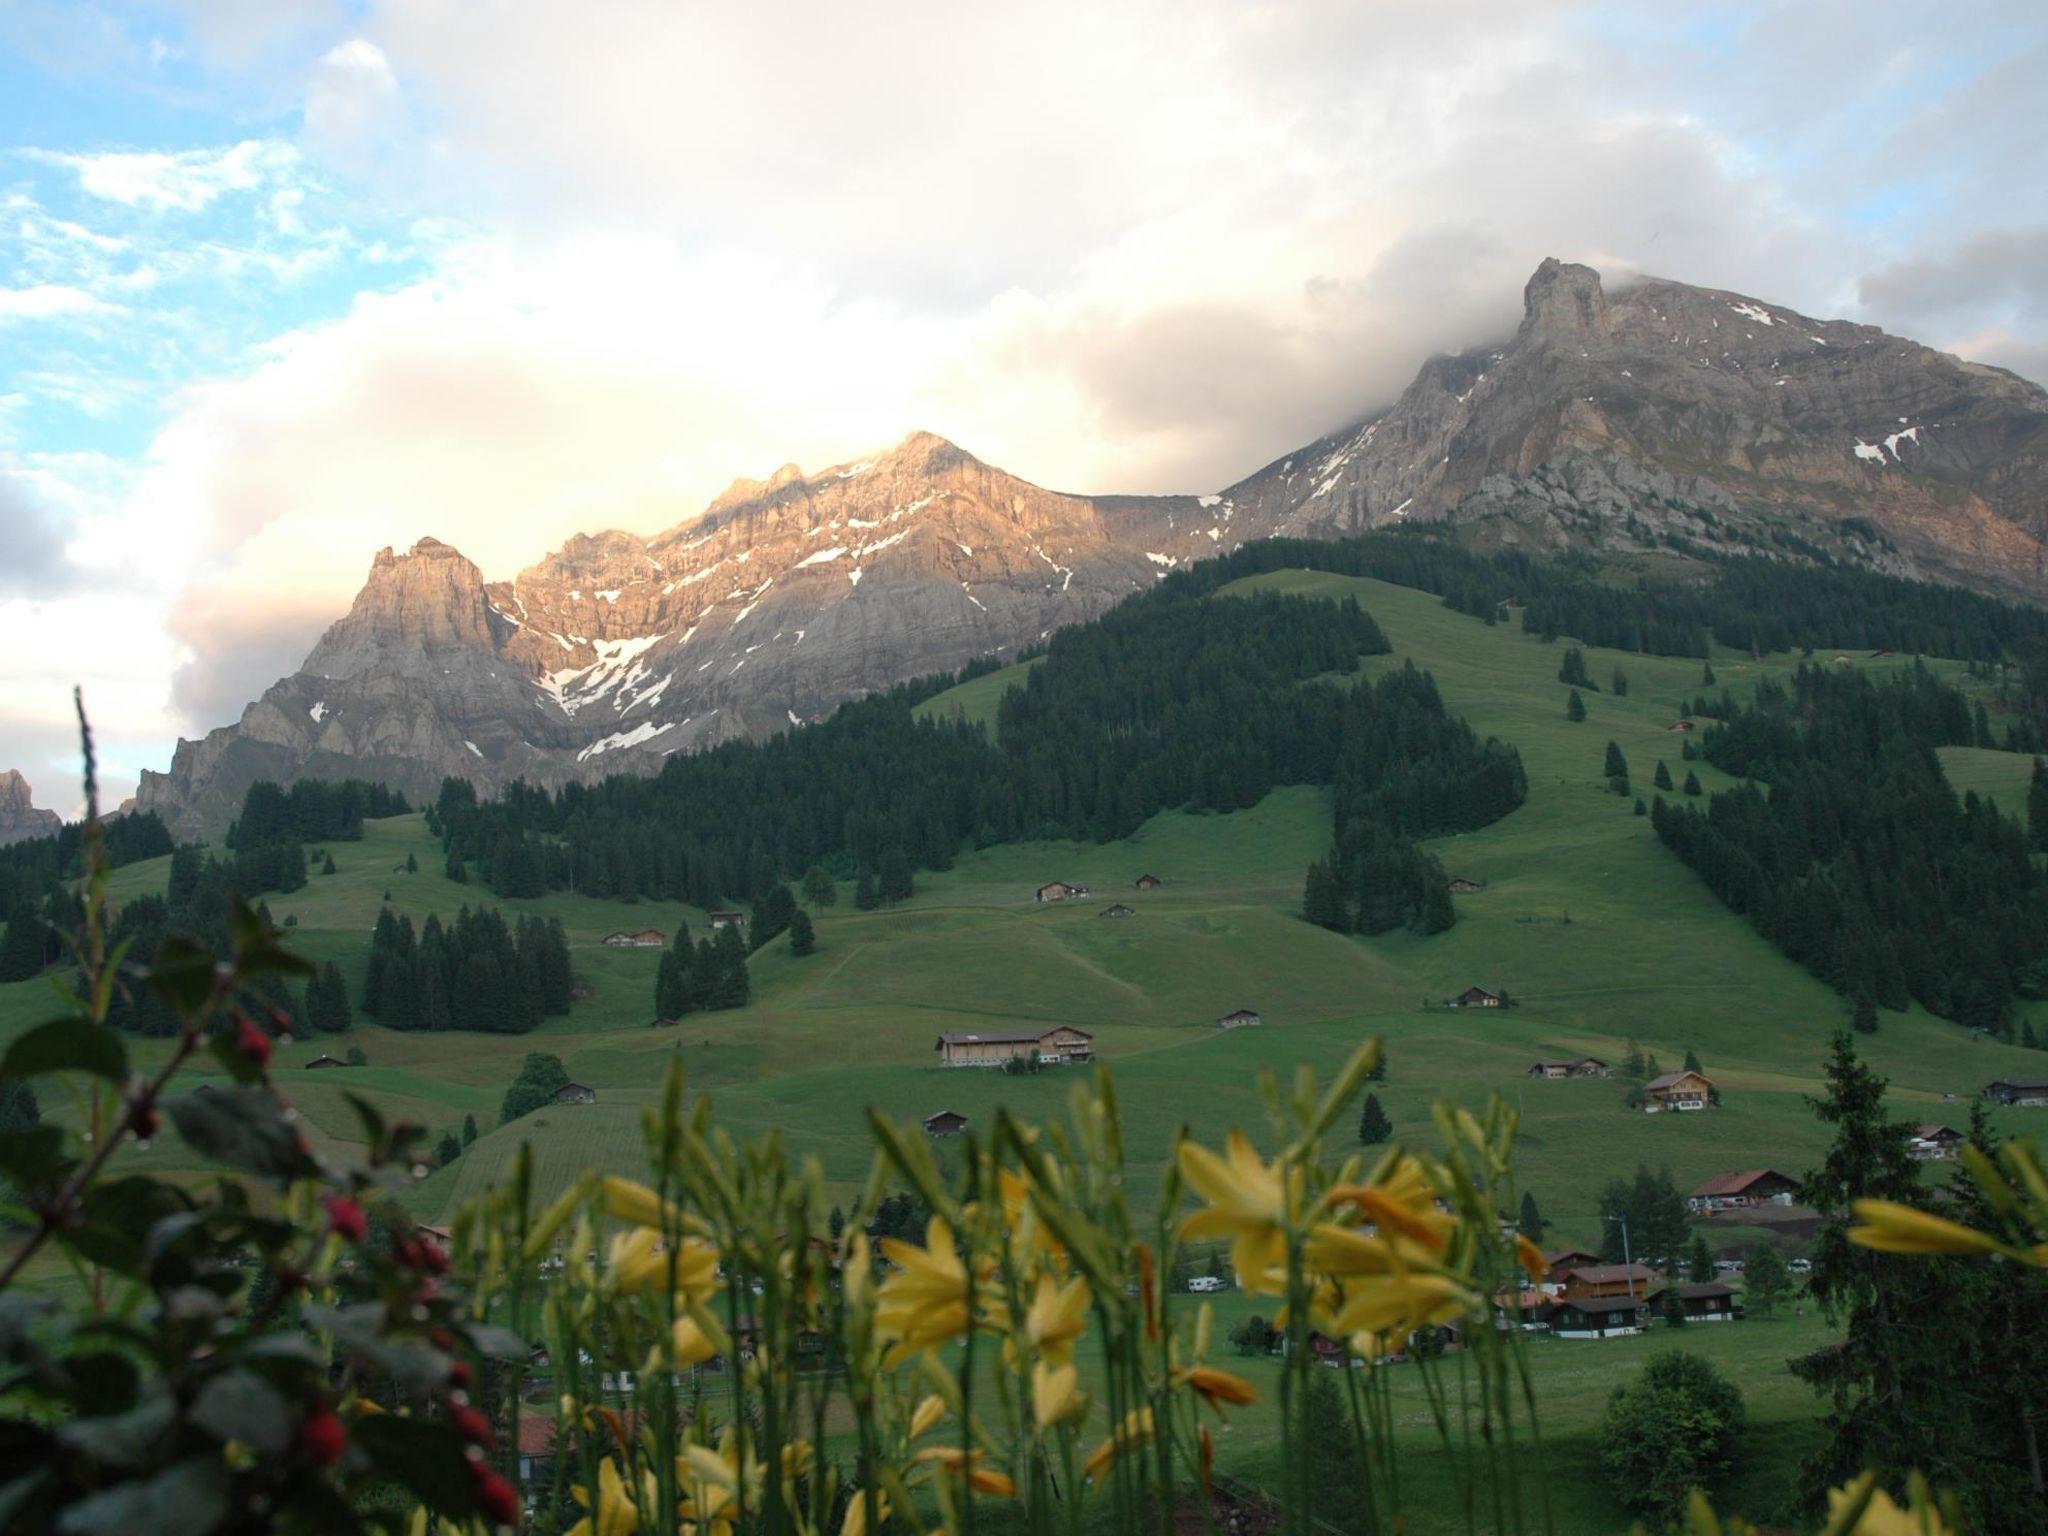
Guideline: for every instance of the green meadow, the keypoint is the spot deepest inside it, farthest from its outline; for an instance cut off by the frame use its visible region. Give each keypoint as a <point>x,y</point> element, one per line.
<point>1599,935</point>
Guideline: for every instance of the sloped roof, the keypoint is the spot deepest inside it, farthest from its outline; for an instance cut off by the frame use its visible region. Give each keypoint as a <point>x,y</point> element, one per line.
<point>1736,1183</point>
<point>1604,1274</point>
<point>1007,1036</point>
<point>1673,1079</point>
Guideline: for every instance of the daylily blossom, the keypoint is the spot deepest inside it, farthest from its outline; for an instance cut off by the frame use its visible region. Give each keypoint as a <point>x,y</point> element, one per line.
<point>613,1513</point>
<point>925,1301</point>
<point>1247,1204</point>
<point>1215,1387</point>
<point>984,1480</point>
<point>1893,1228</point>
<point>1058,1315</point>
<point>1135,1431</point>
<point>1055,1393</point>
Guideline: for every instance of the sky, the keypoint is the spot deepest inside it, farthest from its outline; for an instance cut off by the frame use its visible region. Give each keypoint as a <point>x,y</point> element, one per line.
<point>286,281</point>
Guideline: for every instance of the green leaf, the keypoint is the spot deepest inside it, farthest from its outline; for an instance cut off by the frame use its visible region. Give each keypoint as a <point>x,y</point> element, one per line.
<point>243,1127</point>
<point>226,1046</point>
<point>67,1045</point>
<point>427,1458</point>
<point>34,1157</point>
<point>240,1405</point>
<point>191,1499</point>
<point>183,973</point>
<point>102,1383</point>
<point>129,1439</point>
<point>117,1217</point>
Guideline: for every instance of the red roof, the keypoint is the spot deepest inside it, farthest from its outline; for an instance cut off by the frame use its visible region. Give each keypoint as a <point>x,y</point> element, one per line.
<point>536,1434</point>
<point>1740,1183</point>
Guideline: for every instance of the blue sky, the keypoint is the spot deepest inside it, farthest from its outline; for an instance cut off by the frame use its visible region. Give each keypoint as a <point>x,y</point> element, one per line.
<point>282,281</point>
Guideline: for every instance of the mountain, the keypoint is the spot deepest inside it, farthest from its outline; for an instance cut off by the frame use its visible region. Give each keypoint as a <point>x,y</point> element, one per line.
<point>1658,416</point>
<point>19,818</point>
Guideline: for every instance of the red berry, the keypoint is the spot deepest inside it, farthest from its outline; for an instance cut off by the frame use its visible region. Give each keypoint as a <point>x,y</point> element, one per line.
<point>254,1043</point>
<point>433,1258</point>
<point>460,1376</point>
<point>144,1120</point>
<point>322,1436</point>
<point>495,1497</point>
<point>470,1424</point>
<point>347,1218</point>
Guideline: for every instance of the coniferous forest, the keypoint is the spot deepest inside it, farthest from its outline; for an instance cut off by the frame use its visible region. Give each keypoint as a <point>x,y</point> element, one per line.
<point>1170,701</point>
<point>478,972</point>
<point>1849,851</point>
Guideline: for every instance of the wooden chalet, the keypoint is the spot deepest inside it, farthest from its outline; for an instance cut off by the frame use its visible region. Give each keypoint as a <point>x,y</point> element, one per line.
<point>1571,1066</point>
<point>646,938</point>
<point>1460,886</point>
<point>1148,882</point>
<point>1476,997</point>
<point>1708,1301</point>
<point>1751,1186</point>
<point>947,1122</point>
<point>1058,890</point>
<point>1564,1261</point>
<point>575,1093</point>
<point>1596,1317</point>
<point>1598,1282</point>
<point>728,919</point>
<point>1683,726</point>
<point>2028,1091</point>
<point>323,1061</point>
<point>1240,1018</point>
<point>1679,1090</point>
<point>1117,909</point>
<point>536,1448</point>
<point>995,1048</point>
<point>1935,1143</point>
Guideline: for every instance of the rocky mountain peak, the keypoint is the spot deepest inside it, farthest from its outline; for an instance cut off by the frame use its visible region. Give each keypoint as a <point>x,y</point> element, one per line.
<point>19,818</point>
<point>427,600</point>
<point>1563,299</point>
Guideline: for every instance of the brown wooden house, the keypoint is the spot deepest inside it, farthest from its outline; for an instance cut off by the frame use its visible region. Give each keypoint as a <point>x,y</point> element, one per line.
<point>323,1061</point>
<point>1476,997</point>
<point>2030,1091</point>
<point>728,919</point>
<point>1058,890</point>
<point>1460,886</point>
<point>575,1093</point>
<point>1708,1302</point>
<point>1751,1186</point>
<point>995,1048</point>
<point>1565,1260</point>
<point>1596,1317</point>
<point>646,938</point>
<point>1240,1018</point>
<point>1570,1066</point>
<point>1935,1143</point>
<point>1679,1090</point>
<point>947,1122</point>
<point>1148,882</point>
<point>1117,909</point>
<point>1597,1282</point>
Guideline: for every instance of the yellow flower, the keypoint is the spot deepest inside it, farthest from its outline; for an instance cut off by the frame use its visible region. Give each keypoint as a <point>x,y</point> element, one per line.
<point>925,1301</point>
<point>1893,1228</point>
<point>928,1413</point>
<point>1530,1257</point>
<point>1399,1304</point>
<point>1247,1204</point>
<point>1058,1315</point>
<point>614,1513</point>
<point>1028,1234</point>
<point>1135,1431</point>
<point>1055,1393</point>
<point>1880,1516</point>
<point>1399,1200</point>
<point>692,1344</point>
<point>636,1262</point>
<point>984,1480</point>
<point>711,1480</point>
<point>856,1521</point>
<point>633,1203</point>
<point>1215,1387</point>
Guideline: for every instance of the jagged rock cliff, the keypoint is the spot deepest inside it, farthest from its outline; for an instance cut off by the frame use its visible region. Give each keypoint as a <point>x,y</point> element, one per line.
<point>19,818</point>
<point>1655,413</point>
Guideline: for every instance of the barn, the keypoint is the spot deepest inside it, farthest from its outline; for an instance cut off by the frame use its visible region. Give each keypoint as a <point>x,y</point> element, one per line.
<point>996,1048</point>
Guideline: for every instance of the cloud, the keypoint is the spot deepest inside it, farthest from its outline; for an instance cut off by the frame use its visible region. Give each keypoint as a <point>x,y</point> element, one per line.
<point>236,644</point>
<point>47,301</point>
<point>36,564</point>
<point>353,107</point>
<point>1996,268</point>
<point>183,181</point>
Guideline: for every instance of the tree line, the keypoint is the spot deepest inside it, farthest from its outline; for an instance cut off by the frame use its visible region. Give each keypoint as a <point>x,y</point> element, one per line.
<point>1169,701</point>
<point>1850,852</point>
<point>311,811</point>
<point>478,972</point>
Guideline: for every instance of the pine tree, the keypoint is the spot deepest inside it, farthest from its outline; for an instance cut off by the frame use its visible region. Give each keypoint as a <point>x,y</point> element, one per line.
<point>803,939</point>
<point>1322,900</point>
<point>468,1129</point>
<point>1891,1398</point>
<point>1863,1013</point>
<point>2037,804</point>
<point>21,946</point>
<point>1692,1062</point>
<point>450,1149</point>
<point>733,985</point>
<point>1619,685</point>
<point>1641,809</point>
<point>1373,1125</point>
<point>412,864</point>
<point>2027,1036</point>
<point>1531,1223</point>
<point>893,874</point>
<point>1692,783</point>
<point>1617,765</point>
<point>1699,1260</point>
<point>1707,678</point>
<point>327,864</point>
<point>1767,1283</point>
<point>1662,778</point>
<point>864,895</point>
<point>1574,706</point>
<point>1572,670</point>
<point>819,889</point>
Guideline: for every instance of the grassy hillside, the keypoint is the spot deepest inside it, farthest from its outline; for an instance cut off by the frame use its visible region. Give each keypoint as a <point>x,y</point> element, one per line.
<point>1600,934</point>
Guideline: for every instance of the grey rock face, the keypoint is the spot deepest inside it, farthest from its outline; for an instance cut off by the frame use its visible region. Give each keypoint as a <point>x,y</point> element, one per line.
<point>19,817</point>
<point>1610,419</point>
